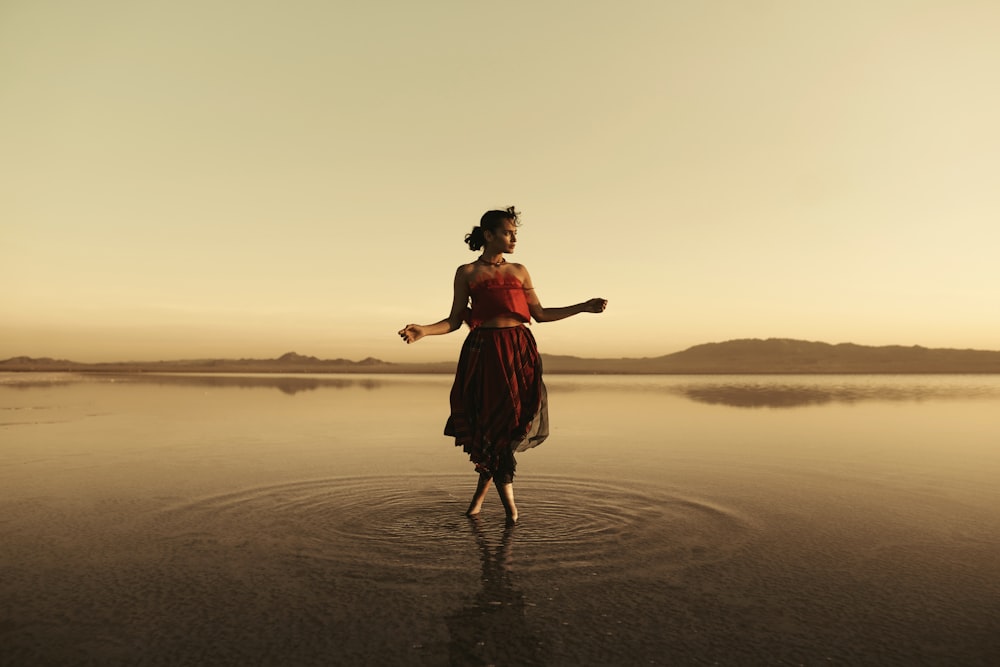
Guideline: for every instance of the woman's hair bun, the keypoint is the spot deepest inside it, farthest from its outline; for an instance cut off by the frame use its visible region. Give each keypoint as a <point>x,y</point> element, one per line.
<point>476,239</point>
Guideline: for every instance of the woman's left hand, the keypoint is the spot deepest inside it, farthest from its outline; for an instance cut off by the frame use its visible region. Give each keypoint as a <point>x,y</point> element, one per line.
<point>596,305</point>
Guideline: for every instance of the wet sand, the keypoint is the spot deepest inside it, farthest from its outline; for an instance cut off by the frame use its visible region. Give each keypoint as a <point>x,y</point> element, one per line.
<point>186,520</point>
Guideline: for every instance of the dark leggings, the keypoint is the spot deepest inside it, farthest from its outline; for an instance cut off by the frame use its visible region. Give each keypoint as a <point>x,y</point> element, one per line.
<point>504,474</point>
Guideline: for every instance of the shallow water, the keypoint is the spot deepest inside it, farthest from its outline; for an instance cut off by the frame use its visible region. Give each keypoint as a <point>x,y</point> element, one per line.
<point>183,519</point>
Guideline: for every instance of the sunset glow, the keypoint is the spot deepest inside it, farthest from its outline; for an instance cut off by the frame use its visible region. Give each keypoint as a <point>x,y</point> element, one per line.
<point>186,180</point>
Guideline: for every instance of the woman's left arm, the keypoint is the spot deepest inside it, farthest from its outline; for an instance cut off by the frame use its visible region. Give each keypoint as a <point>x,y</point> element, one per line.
<point>541,314</point>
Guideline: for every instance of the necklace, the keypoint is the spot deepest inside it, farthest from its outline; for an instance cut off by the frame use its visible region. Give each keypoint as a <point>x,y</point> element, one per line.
<point>486,261</point>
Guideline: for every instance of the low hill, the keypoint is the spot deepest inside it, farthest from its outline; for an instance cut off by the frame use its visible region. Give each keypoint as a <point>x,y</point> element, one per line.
<point>747,356</point>
<point>289,362</point>
<point>782,355</point>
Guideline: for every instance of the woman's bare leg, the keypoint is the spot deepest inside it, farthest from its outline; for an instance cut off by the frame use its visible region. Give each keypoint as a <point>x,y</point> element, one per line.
<point>506,492</point>
<point>479,496</point>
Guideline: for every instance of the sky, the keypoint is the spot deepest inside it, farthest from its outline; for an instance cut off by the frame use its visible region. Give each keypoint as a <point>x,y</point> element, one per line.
<point>192,179</point>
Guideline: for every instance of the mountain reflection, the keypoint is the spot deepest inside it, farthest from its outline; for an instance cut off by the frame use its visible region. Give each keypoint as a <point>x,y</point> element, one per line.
<point>740,391</point>
<point>776,395</point>
<point>758,397</point>
<point>285,384</point>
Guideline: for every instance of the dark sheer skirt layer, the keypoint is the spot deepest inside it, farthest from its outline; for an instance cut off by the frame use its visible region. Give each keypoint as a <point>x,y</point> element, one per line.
<point>498,401</point>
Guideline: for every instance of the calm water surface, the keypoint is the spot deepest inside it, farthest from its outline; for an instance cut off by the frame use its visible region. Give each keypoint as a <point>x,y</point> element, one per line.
<point>263,520</point>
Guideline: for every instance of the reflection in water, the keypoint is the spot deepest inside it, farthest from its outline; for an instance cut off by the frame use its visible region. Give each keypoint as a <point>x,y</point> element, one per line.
<point>741,391</point>
<point>492,628</point>
<point>286,384</point>
<point>777,394</point>
<point>755,396</point>
<point>786,391</point>
<point>21,381</point>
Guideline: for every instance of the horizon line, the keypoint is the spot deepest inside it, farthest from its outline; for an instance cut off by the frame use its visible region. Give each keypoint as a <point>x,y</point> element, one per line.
<point>292,355</point>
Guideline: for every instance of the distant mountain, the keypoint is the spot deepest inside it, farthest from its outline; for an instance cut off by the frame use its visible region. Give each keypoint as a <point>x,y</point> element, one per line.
<point>747,356</point>
<point>782,355</point>
<point>293,358</point>
<point>290,362</point>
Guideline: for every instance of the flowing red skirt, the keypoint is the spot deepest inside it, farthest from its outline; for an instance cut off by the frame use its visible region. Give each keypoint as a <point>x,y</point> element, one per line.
<point>498,401</point>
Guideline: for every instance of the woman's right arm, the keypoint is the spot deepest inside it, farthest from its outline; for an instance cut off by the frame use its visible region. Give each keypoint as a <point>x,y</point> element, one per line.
<point>411,333</point>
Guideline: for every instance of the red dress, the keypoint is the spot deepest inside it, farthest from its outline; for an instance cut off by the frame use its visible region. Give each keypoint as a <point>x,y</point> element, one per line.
<point>498,400</point>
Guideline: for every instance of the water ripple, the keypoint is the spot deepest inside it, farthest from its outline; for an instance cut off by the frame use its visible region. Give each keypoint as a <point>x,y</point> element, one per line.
<point>415,524</point>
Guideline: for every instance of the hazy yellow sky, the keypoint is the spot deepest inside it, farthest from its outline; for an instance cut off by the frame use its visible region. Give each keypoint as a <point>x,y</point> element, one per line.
<point>206,178</point>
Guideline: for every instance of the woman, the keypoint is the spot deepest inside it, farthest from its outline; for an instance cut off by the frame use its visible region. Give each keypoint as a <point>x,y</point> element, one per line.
<point>498,401</point>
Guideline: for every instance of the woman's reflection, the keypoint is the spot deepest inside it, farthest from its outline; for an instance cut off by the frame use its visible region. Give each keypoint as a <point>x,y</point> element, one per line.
<point>492,628</point>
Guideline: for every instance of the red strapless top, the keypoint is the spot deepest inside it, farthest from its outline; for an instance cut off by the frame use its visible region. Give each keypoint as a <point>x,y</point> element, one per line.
<point>495,297</point>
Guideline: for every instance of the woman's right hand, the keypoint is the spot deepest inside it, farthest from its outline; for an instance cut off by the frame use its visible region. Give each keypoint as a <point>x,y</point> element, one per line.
<point>411,333</point>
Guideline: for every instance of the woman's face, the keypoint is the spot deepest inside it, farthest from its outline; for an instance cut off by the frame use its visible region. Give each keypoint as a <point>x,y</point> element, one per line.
<point>503,238</point>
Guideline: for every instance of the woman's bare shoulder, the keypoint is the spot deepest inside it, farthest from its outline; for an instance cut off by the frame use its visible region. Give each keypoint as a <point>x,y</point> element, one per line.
<point>519,270</point>
<point>465,272</point>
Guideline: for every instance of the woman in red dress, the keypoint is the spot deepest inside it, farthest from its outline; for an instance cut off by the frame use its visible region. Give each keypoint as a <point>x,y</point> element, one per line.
<point>498,400</point>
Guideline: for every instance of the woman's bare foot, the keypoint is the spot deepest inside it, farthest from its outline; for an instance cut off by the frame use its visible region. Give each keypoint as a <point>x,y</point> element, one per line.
<point>506,492</point>
<point>479,496</point>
